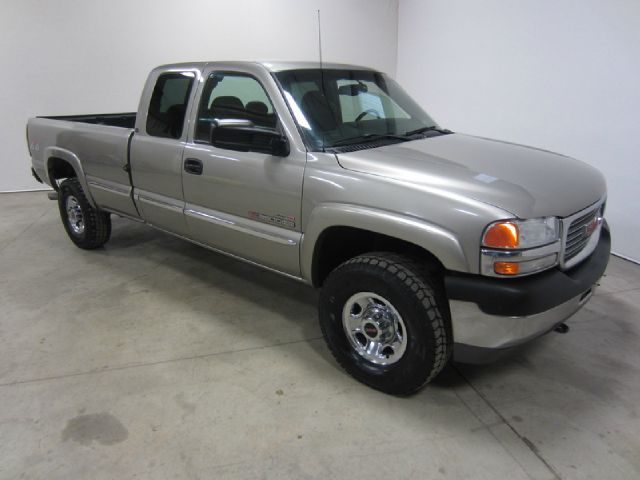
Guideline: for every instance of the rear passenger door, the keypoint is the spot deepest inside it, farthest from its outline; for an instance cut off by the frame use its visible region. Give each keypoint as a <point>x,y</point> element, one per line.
<point>245,203</point>
<point>157,147</point>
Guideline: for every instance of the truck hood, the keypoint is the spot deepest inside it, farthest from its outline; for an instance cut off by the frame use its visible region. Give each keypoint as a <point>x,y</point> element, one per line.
<point>525,181</point>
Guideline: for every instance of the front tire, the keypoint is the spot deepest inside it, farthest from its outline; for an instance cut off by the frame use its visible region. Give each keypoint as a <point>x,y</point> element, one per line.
<point>87,227</point>
<point>385,321</point>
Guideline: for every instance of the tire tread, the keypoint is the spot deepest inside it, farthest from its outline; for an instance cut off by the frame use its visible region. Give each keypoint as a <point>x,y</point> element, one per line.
<point>414,276</point>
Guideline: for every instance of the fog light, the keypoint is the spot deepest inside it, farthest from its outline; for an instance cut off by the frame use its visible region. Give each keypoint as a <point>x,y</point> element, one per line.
<point>524,267</point>
<point>506,268</point>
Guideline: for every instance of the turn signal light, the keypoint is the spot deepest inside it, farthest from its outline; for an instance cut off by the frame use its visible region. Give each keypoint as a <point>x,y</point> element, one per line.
<point>506,268</point>
<point>502,235</point>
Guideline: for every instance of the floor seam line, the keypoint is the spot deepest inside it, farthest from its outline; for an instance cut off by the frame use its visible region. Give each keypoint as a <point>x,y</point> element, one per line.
<point>151,364</point>
<point>523,439</point>
<point>487,427</point>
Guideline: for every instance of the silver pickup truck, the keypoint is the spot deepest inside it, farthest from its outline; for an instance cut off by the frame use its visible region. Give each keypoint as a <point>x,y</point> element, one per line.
<point>427,245</point>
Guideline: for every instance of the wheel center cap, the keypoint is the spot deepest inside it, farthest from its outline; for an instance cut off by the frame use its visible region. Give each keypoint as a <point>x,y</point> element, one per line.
<point>378,324</point>
<point>371,330</point>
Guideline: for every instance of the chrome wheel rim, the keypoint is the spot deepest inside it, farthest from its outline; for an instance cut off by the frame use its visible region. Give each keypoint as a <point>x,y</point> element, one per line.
<point>74,215</point>
<point>374,328</point>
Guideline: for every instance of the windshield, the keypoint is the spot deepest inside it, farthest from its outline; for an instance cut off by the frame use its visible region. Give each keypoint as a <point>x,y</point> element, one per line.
<point>335,107</point>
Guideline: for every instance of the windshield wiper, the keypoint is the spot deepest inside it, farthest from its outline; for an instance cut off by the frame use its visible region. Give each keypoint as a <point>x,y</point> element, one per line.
<point>434,128</point>
<point>369,137</point>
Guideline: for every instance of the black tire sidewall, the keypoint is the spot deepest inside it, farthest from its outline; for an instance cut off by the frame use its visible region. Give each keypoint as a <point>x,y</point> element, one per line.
<point>97,224</point>
<point>419,359</point>
<point>68,189</point>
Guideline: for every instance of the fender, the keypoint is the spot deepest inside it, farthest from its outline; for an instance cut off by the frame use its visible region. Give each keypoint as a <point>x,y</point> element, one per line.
<point>73,160</point>
<point>440,242</point>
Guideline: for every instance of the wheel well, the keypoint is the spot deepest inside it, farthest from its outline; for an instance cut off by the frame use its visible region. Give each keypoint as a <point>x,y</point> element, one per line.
<point>338,244</point>
<point>59,169</point>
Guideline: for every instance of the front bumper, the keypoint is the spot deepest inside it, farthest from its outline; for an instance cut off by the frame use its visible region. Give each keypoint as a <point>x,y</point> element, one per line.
<point>489,315</point>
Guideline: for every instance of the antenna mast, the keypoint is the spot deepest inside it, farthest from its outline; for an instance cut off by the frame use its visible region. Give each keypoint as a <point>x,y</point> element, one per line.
<point>321,68</point>
<point>319,39</point>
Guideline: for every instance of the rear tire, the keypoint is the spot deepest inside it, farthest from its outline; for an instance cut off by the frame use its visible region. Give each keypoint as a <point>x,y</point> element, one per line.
<point>87,227</point>
<point>386,322</point>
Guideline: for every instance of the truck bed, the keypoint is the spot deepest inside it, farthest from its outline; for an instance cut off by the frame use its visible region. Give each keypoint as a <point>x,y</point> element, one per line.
<point>124,120</point>
<point>96,146</point>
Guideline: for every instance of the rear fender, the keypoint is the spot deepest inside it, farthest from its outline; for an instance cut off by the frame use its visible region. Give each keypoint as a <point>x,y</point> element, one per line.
<point>72,159</point>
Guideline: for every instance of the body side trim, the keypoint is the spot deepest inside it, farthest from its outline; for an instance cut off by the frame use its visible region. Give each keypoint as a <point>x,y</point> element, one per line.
<point>243,225</point>
<point>109,186</point>
<point>231,255</point>
<point>158,200</point>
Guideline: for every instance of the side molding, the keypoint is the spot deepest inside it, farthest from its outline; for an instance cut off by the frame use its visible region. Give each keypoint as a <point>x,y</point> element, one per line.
<point>440,242</point>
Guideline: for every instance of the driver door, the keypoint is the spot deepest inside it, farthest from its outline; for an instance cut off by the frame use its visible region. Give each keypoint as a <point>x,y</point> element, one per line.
<point>245,203</point>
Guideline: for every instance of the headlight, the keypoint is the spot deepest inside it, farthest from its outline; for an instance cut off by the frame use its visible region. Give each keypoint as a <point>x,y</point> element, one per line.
<point>520,247</point>
<point>522,233</point>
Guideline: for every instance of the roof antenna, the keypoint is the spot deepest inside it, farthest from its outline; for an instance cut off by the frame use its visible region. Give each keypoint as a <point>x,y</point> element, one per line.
<point>319,39</point>
<point>321,69</point>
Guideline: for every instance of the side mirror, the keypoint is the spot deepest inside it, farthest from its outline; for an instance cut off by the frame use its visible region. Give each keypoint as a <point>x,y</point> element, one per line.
<point>244,136</point>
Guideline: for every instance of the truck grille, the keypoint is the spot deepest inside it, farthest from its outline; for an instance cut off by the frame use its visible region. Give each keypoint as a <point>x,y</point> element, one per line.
<point>578,234</point>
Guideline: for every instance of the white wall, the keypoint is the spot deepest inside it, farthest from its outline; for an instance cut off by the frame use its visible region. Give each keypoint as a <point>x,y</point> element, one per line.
<point>559,74</point>
<point>91,56</point>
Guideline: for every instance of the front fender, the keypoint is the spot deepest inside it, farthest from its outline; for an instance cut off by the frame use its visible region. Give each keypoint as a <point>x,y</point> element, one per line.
<point>68,156</point>
<point>440,242</point>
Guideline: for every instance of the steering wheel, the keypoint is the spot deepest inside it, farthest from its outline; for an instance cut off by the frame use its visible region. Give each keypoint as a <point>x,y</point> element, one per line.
<point>370,111</point>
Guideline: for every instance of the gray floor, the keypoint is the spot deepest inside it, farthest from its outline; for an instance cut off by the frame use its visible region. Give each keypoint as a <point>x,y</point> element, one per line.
<point>157,359</point>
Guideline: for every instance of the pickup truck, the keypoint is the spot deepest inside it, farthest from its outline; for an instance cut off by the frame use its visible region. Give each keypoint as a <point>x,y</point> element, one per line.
<point>427,245</point>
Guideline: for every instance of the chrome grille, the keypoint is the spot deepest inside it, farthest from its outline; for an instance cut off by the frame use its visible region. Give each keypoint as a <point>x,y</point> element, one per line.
<point>577,236</point>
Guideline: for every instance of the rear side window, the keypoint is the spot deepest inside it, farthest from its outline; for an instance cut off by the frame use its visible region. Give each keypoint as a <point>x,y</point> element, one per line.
<point>233,95</point>
<point>168,105</point>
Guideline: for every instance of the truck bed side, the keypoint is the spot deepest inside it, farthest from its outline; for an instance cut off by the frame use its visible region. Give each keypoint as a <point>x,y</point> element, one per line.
<point>98,154</point>
<point>123,120</point>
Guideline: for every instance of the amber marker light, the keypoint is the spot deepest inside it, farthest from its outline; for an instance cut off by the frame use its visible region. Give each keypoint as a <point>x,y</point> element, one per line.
<point>506,268</point>
<point>501,235</point>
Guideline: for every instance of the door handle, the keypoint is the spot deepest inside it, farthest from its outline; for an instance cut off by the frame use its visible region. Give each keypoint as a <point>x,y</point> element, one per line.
<point>193,166</point>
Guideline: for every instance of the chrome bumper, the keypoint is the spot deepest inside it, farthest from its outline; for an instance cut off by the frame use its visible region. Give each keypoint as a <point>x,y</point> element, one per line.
<point>489,315</point>
<point>475,328</point>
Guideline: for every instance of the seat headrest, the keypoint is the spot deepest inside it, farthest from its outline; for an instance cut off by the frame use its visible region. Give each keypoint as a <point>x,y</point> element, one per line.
<point>257,107</point>
<point>228,101</point>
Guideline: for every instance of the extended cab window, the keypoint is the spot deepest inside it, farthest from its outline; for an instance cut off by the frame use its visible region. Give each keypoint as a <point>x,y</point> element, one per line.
<point>168,105</point>
<point>233,95</point>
